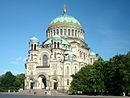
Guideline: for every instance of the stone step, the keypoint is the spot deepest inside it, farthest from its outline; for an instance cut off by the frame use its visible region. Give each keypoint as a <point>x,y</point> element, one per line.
<point>41,92</point>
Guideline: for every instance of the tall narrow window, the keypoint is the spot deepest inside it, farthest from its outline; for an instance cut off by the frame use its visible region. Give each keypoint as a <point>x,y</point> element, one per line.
<point>57,32</point>
<point>58,45</point>
<point>34,46</point>
<point>51,34</point>
<point>60,31</point>
<point>75,69</point>
<point>64,31</point>
<point>67,70</point>
<point>67,81</point>
<point>84,56</point>
<point>80,54</point>
<point>31,46</point>
<point>54,32</point>
<point>54,44</point>
<point>69,32</point>
<point>45,60</point>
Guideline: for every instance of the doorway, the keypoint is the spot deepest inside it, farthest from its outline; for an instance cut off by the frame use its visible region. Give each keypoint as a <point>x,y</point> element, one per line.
<point>55,85</point>
<point>31,85</point>
<point>44,82</point>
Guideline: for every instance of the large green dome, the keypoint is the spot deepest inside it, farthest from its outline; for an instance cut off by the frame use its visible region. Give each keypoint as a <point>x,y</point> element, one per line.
<point>65,20</point>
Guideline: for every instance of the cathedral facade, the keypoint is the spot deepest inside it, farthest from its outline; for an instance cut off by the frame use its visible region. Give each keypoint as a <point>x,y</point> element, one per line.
<point>50,65</point>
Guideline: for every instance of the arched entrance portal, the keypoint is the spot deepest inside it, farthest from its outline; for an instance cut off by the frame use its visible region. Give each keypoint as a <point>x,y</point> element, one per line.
<point>31,85</point>
<point>42,82</point>
<point>55,84</point>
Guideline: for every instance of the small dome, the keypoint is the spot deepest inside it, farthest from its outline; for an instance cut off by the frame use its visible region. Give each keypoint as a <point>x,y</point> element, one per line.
<point>34,39</point>
<point>65,41</point>
<point>56,37</point>
<point>92,54</point>
<point>69,53</point>
<point>65,20</point>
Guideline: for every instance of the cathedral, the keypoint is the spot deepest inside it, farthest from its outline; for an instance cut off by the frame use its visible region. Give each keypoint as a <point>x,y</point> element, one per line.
<point>50,65</point>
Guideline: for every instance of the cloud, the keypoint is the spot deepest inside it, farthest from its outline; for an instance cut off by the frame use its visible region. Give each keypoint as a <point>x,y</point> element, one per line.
<point>18,60</point>
<point>14,62</point>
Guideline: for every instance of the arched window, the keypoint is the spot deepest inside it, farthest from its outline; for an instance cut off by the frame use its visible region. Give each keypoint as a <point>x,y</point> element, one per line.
<point>60,31</point>
<point>67,81</point>
<point>45,60</point>
<point>57,32</point>
<point>54,44</point>
<point>75,69</point>
<point>68,32</point>
<point>51,34</point>
<point>67,70</point>
<point>84,56</point>
<point>80,54</point>
<point>34,46</point>
<point>31,46</point>
<point>58,44</point>
<point>54,32</point>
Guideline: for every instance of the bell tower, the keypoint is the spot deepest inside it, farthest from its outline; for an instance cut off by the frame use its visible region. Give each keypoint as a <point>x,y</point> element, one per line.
<point>33,44</point>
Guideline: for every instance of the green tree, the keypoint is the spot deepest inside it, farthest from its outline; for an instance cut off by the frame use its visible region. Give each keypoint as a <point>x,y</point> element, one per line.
<point>128,53</point>
<point>99,67</point>
<point>19,81</point>
<point>117,75</point>
<point>7,81</point>
<point>108,77</point>
<point>10,82</point>
<point>89,79</point>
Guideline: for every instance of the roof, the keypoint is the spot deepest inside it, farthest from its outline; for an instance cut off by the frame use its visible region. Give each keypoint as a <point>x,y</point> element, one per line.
<point>34,39</point>
<point>56,37</point>
<point>92,54</point>
<point>48,41</point>
<point>69,53</point>
<point>65,20</point>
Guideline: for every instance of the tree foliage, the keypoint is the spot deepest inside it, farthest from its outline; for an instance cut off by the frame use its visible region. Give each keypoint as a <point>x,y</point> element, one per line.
<point>104,77</point>
<point>10,82</point>
<point>118,74</point>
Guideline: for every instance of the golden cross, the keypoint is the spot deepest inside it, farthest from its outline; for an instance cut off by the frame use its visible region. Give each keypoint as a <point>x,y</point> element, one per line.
<point>65,8</point>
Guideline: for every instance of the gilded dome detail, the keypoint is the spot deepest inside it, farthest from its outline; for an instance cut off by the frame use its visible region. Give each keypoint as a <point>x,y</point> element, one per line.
<point>65,20</point>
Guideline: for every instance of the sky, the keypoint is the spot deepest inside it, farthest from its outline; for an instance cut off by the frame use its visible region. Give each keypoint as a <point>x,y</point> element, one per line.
<point>106,24</point>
